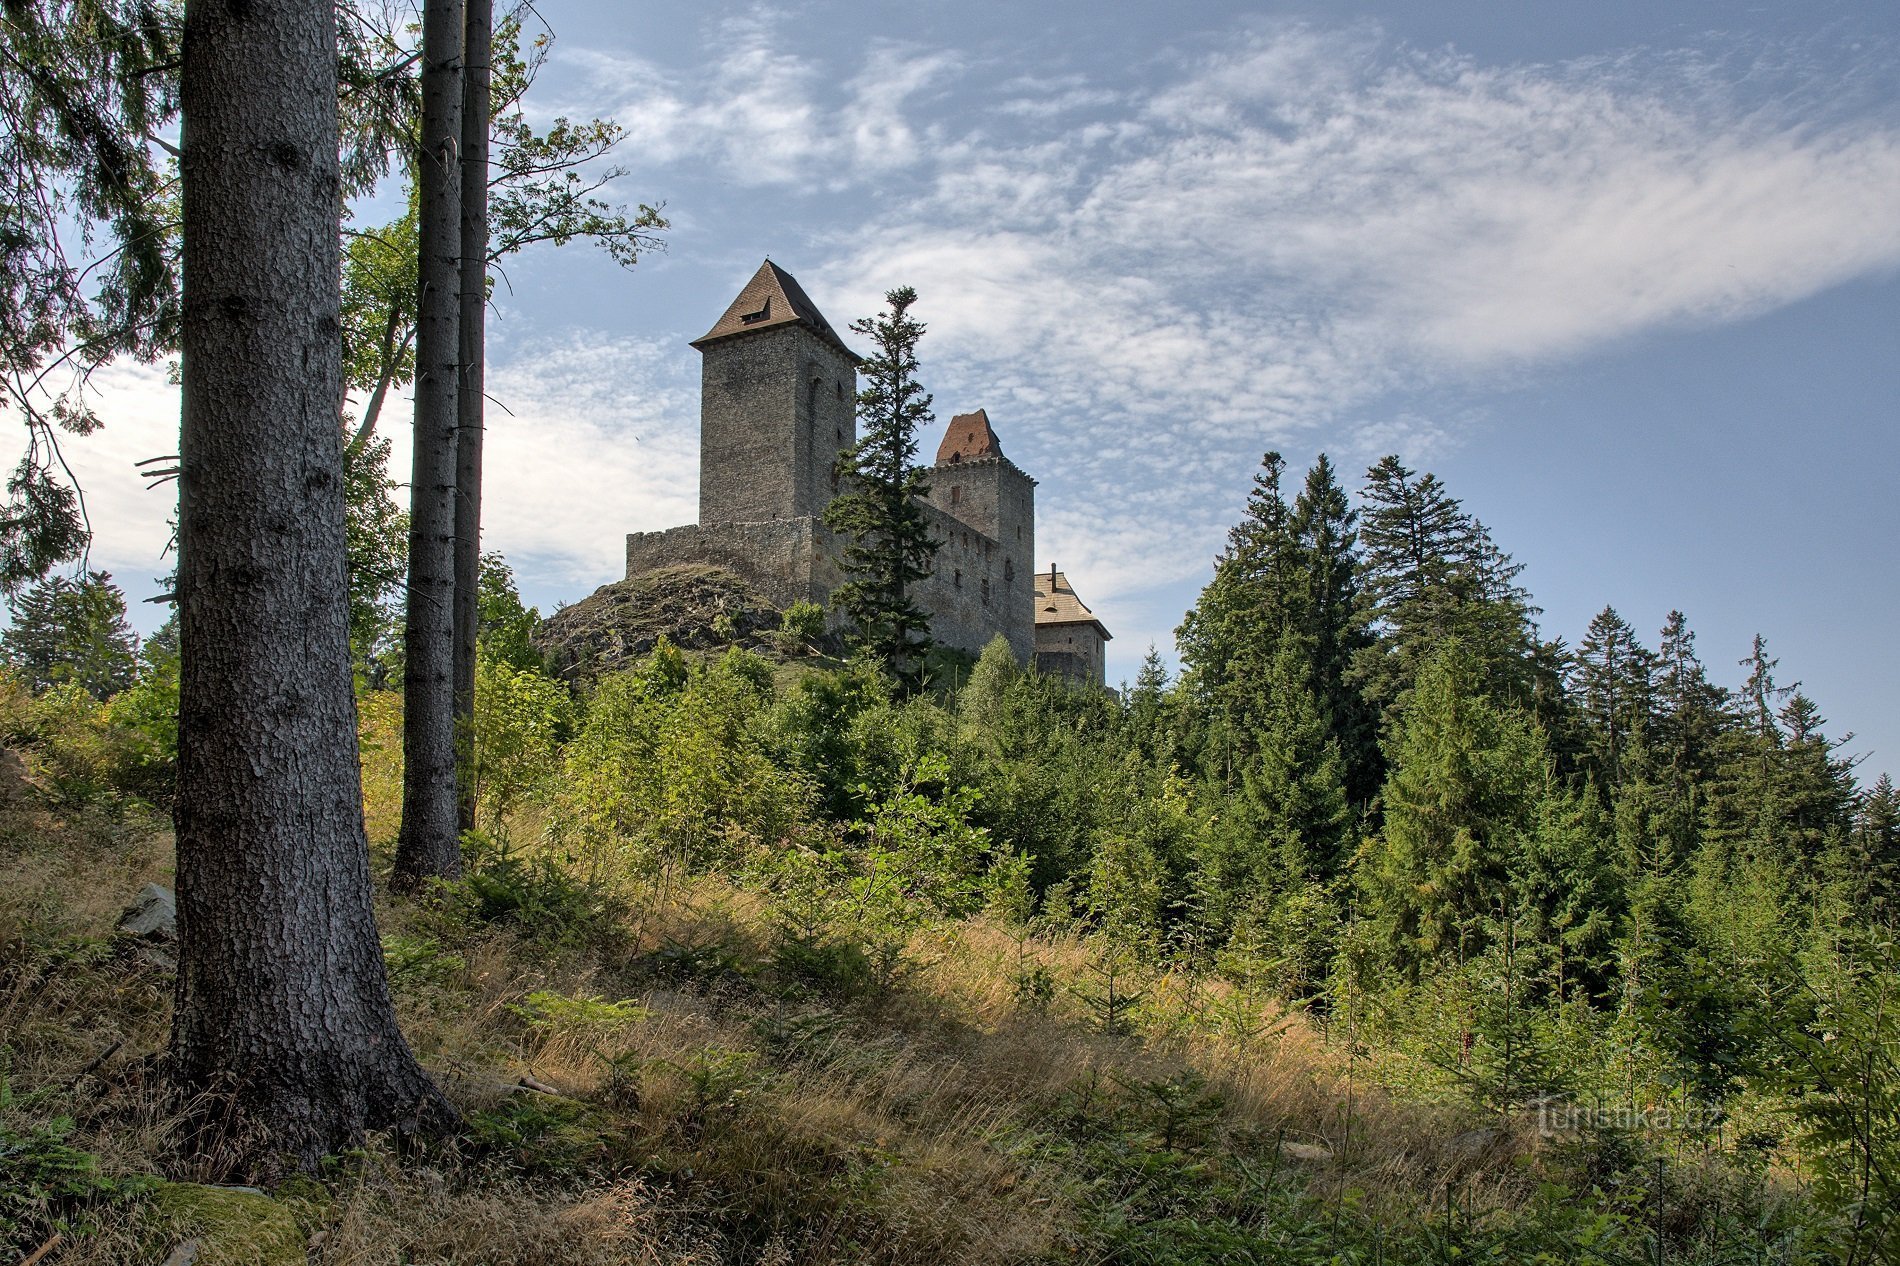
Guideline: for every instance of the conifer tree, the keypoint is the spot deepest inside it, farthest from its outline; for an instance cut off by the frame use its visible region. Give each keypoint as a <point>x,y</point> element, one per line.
<point>1253,602</point>
<point>1432,573</point>
<point>73,631</point>
<point>890,547</point>
<point>1872,861</point>
<point>1325,536</point>
<point>1691,712</point>
<point>1611,681</point>
<point>1464,783</point>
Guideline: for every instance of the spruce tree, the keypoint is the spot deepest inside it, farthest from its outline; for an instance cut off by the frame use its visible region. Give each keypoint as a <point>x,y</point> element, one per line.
<point>1432,573</point>
<point>1466,777</point>
<point>882,516</point>
<point>1253,602</point>
<point>1873,855</point>
<point>1324,530</point>
<point>73,631</point>
<point>1612,684</point>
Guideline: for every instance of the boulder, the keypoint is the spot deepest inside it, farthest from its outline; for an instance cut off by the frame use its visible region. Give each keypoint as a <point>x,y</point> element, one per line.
<point>153,915</point>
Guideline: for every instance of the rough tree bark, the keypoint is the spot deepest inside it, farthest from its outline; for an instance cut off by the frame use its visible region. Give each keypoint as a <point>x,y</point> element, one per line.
<point>283,1013</point>
<point>429,842</point>
<point>469,399</point>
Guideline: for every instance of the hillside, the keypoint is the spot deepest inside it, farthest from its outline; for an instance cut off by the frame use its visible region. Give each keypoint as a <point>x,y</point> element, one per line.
<point>729,1050</point>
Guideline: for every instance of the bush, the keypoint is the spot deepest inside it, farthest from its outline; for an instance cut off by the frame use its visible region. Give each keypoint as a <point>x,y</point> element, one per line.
<point>800,627</point>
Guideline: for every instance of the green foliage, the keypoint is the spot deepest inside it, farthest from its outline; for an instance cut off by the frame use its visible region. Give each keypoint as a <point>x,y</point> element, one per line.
<point>881,510</point>
<point>1848,1076</point>
<point>847,915</point>
<point>46,1184</point>
<point>88,84</point>
<point>533,893</point>
<point>669,765</point>
<point>377,553</point>
<point>800,626</point>
<point>1457,805</point>
<point>585,1016</point>
<point>521,720</point>
<point>73,632</point>
<point>504,629</point>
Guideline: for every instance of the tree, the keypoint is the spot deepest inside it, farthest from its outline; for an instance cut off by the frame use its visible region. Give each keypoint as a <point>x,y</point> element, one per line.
<point>73,631</point>
<point>1466,776</point>
<point>429,842</point>
<point>378,533</point>
<point>1325,535</point>
<point>84,88</point>
<point>283,1025</point>
<point>1612,685</point>
<point>478,41</point>
<point>1872,864</point>
<point>1432,573</point>
<point>882,514</point>
<point>1230,636</point>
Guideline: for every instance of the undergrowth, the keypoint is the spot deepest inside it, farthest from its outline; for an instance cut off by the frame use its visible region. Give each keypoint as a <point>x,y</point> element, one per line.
<point>697,1094</point>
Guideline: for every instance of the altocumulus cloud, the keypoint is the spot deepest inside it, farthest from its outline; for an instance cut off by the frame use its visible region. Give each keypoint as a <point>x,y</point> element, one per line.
<point>1149,284</point>
<point>1148,281</point>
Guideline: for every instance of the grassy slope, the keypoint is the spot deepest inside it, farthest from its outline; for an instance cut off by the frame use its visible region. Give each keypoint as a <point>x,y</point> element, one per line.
<point>730,1112</point>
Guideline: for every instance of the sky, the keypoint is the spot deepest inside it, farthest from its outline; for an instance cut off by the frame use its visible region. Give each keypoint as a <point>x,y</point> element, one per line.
<point>1626,276</point>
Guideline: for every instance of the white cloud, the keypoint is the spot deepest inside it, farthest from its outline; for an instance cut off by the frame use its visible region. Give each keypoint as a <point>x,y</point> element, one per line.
<point>1149,283</point>
<point>1302,224</point>
<point>588,438</point>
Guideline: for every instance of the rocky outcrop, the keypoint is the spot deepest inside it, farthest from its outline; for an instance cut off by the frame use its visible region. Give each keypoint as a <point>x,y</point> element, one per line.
<point>695,607</point>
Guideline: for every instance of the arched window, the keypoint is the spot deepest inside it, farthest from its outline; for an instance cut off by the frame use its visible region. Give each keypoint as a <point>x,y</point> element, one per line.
<point>1009,570</point>
<point>956,494</point>
<point>986,591</point>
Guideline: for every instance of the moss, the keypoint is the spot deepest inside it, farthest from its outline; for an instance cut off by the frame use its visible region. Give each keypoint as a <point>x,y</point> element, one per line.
<point>236,1227</point>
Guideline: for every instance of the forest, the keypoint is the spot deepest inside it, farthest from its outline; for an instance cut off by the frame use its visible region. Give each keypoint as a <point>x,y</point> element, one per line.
<point>347,919</point>
<point>1387,930</point>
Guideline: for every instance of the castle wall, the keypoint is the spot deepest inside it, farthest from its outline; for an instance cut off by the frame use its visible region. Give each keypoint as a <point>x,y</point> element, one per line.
<point>977,590</point>
<point>993,499</point>
<point>784,560</point>
<point>776,408</point>
<point>1074,651</point>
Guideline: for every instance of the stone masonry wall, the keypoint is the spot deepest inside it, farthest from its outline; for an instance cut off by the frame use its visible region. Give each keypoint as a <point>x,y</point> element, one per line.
<point>779,559</point>
<point>977,590</point>
<point>776,407</point>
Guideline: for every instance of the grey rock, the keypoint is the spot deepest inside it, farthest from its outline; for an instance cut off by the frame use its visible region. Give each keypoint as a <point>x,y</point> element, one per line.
<point>153,915</point>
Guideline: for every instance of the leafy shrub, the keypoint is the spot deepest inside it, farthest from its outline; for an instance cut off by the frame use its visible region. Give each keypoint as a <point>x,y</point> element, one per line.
<point>530,892</point>
<point>521,718</point>
<point>801,625</point>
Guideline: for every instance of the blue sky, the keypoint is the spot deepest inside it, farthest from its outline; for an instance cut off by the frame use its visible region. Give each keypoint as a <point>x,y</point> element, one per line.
<point>1626,276</point>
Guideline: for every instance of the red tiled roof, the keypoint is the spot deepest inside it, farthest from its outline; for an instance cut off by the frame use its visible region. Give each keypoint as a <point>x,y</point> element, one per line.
<point>968,439</point>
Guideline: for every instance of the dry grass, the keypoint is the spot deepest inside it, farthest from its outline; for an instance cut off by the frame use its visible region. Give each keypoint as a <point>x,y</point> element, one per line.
<point>730,1119</point>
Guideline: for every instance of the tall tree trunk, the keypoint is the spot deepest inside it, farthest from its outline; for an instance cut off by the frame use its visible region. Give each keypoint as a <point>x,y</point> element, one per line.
<point>429,843</point>
<point>468,443</point>
<point>283,1012</point>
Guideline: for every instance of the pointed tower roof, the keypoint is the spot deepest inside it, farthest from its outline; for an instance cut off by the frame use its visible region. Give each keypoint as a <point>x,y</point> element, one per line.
<point>772,298</point>
<point>970,438</point>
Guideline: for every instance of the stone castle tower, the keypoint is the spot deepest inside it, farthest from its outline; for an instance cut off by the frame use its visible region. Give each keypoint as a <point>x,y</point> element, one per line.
<point>777,406</point>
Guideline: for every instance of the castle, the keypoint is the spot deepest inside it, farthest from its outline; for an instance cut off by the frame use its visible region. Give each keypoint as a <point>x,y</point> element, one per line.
<point>777,406</point>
